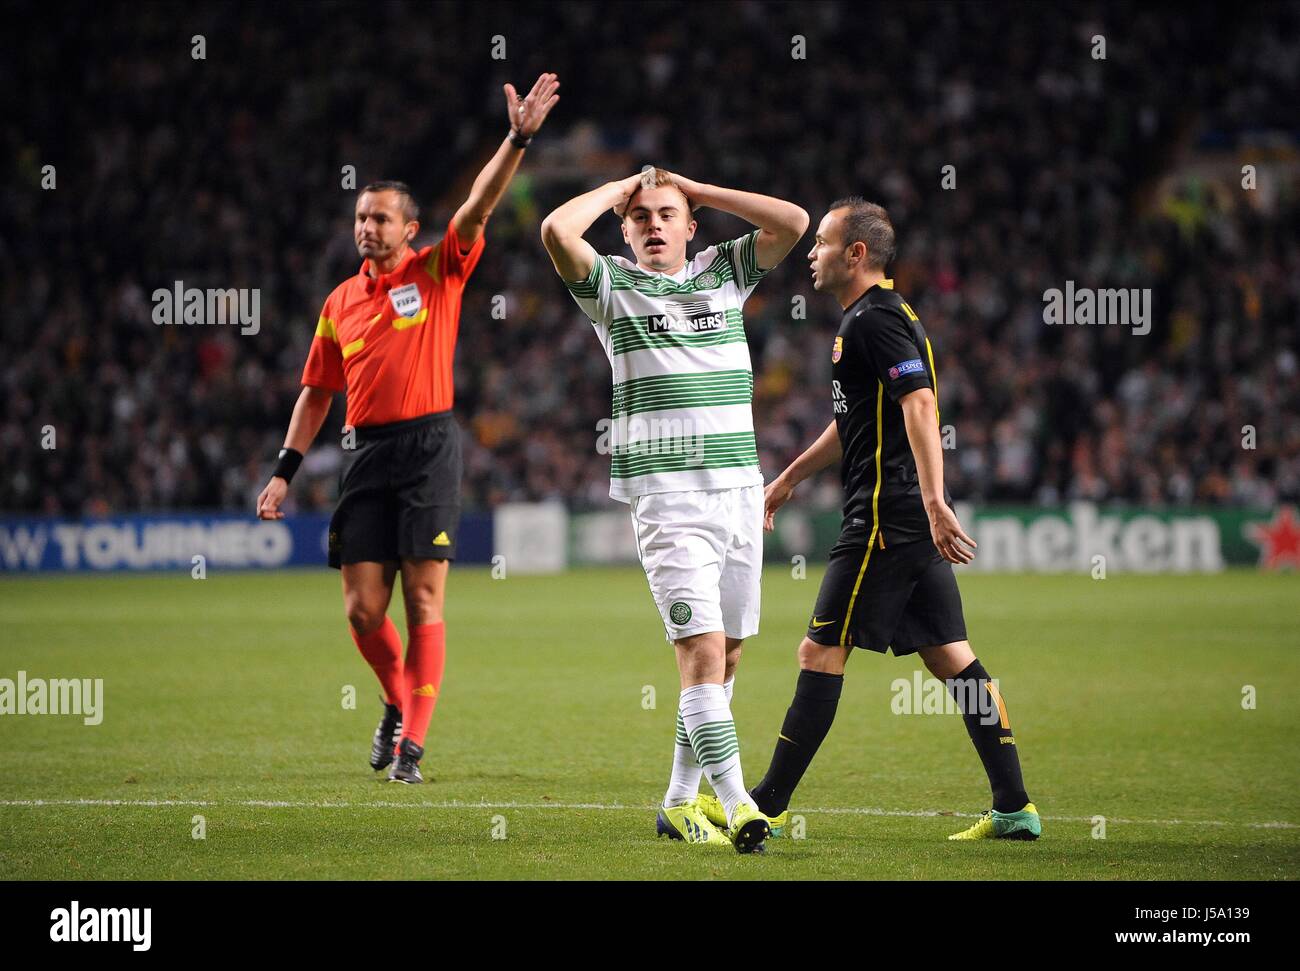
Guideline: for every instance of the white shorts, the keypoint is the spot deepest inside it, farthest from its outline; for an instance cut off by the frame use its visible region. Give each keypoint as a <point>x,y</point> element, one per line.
<point>702,552</point>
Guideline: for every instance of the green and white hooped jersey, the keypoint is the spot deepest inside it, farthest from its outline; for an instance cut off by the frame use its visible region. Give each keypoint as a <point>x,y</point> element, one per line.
<point>682,416</point>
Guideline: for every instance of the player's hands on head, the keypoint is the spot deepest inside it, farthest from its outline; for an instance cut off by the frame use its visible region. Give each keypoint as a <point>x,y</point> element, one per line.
<point>690,187</point>
<point>268,503</point>
<point>949,538</point>
<point>776,495</point>
<point>528,113</point>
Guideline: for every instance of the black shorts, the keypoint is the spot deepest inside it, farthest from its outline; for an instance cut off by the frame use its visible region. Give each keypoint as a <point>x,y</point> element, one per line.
<point>904,597</point>
<point>399,493</point>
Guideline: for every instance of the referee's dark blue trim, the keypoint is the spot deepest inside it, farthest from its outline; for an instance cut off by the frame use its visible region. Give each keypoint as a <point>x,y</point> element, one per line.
<point>368,433</point>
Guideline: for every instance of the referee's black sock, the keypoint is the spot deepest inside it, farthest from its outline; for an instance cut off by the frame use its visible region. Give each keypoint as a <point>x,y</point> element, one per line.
<point>986,721</point>
<point>808,719</point>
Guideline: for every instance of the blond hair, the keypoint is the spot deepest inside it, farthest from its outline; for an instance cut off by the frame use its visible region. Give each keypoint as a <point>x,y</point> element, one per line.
<point>656,178</point>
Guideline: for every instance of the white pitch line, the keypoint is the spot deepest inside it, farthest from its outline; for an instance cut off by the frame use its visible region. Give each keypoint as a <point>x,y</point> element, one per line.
<point>615,807</point>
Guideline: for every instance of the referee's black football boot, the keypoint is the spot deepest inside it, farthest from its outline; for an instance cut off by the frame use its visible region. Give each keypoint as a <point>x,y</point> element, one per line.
<point>407,767</point>
<point>390,727</point>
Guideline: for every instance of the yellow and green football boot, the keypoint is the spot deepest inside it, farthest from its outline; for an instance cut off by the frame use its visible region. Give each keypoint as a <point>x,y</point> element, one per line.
<point>712,807</point>
<point>749,828</point>
<point>688,823</point>
<point>992,825</point>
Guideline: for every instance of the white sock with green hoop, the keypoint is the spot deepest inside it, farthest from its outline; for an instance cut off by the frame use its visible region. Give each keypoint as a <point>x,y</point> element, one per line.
<point>684,784</point>
<point>706,717</point>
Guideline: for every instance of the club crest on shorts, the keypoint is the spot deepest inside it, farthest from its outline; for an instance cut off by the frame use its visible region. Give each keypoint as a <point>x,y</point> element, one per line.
<point>679,613</point>
<point>837,350</point>
<point>406,300</point>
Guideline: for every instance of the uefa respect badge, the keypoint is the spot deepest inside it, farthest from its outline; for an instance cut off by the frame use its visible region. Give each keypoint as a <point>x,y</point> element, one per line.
<point>904,368</point>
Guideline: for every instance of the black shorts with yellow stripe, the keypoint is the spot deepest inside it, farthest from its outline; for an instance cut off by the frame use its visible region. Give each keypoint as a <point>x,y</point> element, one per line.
<point>904,597</point>
<point>399,493</point>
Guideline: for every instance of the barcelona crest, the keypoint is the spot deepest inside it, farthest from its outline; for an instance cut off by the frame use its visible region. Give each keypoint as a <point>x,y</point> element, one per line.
<point>838,350</point>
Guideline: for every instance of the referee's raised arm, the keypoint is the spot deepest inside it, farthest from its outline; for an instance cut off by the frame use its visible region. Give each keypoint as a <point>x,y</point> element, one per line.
<point>526,117</point>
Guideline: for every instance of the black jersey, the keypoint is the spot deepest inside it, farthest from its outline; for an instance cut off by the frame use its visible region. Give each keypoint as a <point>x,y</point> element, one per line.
<point>881,354</point>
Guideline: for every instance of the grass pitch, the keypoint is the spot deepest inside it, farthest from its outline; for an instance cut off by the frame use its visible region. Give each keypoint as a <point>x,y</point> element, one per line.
<point>224,699</point>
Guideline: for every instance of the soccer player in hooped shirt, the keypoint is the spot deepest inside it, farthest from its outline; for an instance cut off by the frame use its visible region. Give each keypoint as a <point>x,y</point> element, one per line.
<point>683,452</point>
<point>386,337</point>
<point>889,582</point>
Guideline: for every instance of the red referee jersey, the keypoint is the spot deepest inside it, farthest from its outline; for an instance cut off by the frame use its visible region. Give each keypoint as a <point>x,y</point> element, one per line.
<point>389,341</point>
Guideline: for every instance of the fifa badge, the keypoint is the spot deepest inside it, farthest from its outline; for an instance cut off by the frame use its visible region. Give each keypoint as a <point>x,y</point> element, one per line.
<point>406,300</point>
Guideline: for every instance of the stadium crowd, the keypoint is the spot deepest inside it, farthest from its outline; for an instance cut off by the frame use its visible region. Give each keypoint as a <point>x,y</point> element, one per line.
<point>229,171</point>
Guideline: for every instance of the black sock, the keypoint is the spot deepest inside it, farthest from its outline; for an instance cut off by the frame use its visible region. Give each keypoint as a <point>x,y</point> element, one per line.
<point>990,730</point>
<point>808,719</point>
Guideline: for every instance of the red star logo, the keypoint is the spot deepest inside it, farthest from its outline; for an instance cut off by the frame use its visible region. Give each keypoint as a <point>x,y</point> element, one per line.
<point>1278,541</point>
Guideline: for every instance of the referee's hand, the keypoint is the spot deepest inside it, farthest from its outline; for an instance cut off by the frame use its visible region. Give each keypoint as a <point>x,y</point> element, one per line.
<point>528,113</point>
<point>949,538</point>
<point>268,503</point>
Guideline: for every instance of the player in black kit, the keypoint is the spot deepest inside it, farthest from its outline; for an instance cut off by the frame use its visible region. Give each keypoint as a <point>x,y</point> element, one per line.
<point>889,582</point>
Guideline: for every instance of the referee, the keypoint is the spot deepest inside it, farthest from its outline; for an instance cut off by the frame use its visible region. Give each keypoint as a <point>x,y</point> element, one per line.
<point>889,582</point>
<point>387,337</point>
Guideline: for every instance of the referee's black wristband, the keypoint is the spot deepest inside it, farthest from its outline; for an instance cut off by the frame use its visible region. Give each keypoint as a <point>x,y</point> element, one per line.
<point>518,140</point>
<point>287,465</point>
